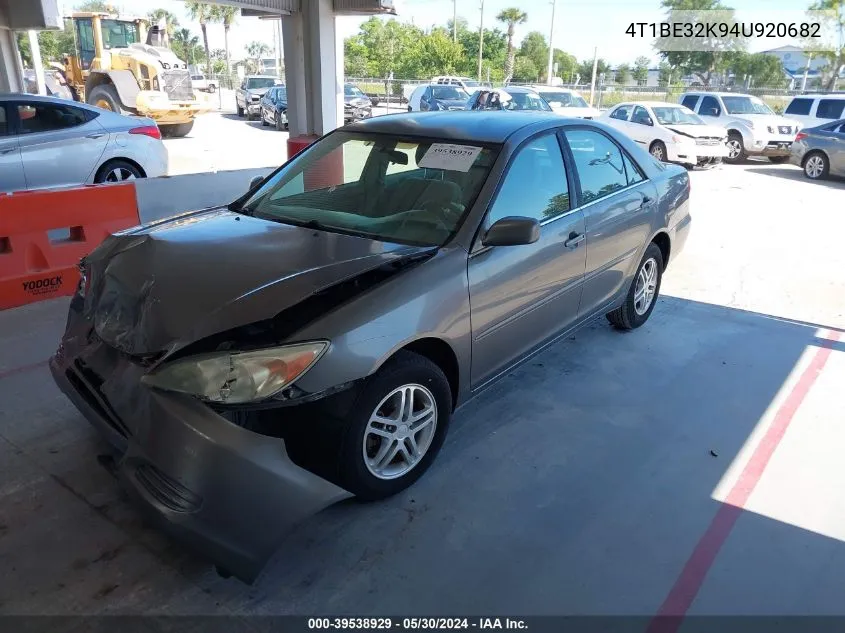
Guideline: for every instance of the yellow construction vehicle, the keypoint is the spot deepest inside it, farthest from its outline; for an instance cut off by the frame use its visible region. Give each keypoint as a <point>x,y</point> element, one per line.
<point>123,66</point>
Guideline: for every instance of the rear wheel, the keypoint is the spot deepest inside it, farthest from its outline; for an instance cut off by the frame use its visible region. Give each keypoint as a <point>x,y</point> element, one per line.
<point>176,131</point>
<point>816,166</point>
<point>117,171</point>
<point>777,160</point>
<point>279,125</point>
<point>263,119</point>
<point>736,148</point>
<point>105,96</point>
<point>642,295</point>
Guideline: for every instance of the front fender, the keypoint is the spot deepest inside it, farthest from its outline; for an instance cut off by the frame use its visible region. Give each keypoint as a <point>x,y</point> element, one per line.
<point>743,128</point>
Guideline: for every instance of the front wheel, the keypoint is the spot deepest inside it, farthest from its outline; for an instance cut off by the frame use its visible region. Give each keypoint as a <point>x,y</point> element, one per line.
<point>263,119</point>
<point>279,125</point>
<point>240,111</point>
<point>396,428</point>
<point>778,160</point>
<point>736,148</point>
<point>658,150</point>
<point>642,295</point>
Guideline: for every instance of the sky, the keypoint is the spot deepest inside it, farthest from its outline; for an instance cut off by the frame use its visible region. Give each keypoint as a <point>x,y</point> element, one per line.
<point>579,25</point>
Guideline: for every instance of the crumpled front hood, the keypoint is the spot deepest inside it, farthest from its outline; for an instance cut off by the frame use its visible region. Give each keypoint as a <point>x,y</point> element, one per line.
<point>698,131</point>
<point>766,119</point>
<point>160,287</point>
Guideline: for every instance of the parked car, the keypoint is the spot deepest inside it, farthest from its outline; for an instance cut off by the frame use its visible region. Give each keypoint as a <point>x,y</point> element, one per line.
<point>567,102</point>
<point>386,274</point>
<point>274,107</point>
<point>434,97</point>
<point>203,83</point>
<point>51,142</point>
<point>468,84</point>
<point>753,128</point>
<point>248,95</point>
<point>815,110</point>
<point>820,151</point>
<point>513,99</point>
<point>356,105</point>
<point>670,132</point>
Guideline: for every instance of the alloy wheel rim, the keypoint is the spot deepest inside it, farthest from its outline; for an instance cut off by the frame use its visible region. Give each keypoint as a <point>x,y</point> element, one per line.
<point>646,286</point>
<point>103,103</point>
<point>733,148</point>
<point>814,166</point>
<point>657,152</point>
<point>400,431</point>
<point>119,174</point>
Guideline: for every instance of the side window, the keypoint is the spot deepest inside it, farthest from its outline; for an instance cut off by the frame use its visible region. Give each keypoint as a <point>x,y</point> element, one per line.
<point>598,162</point>
<point>4,121</point>
<point>620,113</point>
<point>830,108</point>
<point>709,107</point>
<point>690,101</point>
<point>85,38</point>
<point>799,106</point>
<point>632,171</point>
<point>48,117</point>
<point>641,116</point>
<point>535,185</point>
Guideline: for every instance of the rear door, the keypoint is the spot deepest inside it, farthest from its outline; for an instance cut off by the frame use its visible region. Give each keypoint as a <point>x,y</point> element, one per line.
<point>618,203</point>
<point>60,144</point>
<point>521,296</point>
<point>11,167</point>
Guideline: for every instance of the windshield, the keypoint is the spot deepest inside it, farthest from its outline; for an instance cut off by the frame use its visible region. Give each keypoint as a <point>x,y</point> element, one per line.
<point>352,91</point>
<point>566,99</point>
<point>745,105</point>
<point>526,101</point>
<point>254,83</point>
<point>118,34</point>
<point>449,92</point>
<point>470,83</point>
<point>677,116</point>
<point>384,187</point>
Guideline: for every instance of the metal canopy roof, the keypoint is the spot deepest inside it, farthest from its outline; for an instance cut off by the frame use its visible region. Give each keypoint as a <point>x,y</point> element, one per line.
<point>288,7</point>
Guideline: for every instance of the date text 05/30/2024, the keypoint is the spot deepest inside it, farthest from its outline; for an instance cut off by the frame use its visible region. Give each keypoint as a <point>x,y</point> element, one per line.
<point>413,624</point>
<point>724,29</point>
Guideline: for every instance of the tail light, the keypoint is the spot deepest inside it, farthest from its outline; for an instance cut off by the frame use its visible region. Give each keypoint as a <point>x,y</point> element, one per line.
<point>147,130</point>
<point>800,136</point>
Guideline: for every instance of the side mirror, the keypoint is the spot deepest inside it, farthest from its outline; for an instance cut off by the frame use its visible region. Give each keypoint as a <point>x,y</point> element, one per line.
<point>512,231</point>
<point>255,181</point>
<point>714,112</point>
<point>648,121</point>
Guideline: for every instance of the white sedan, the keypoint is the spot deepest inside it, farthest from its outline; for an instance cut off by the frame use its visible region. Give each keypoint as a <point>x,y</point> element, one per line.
<point>670,132</point>
<point>566,102</point>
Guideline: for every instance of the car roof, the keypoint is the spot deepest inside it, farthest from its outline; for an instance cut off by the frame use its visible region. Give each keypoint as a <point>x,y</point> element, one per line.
<point>705,93</point>
<point>261,77</point>
<point>459,125</point>
<point>830,95</point>
<point>659,104</point>
<point>14,96</point>
<point>537,88</point>
<point>514,89</point>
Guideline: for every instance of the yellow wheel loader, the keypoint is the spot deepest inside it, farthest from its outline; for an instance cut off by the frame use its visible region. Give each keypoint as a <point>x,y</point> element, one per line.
<point>122,66</point>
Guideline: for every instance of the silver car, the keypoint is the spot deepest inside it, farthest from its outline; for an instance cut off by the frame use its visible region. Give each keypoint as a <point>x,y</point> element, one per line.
<point>253,364</point>
<point>820,151</point>
<point>51,142</point>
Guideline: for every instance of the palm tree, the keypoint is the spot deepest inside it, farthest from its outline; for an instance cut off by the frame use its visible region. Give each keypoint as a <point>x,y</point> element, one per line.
<point>202,13</point>
<point>257,50</point>
<point>226,15</point>
<point>511,16</point>
<point>170,20</point>
<point>184,45</point>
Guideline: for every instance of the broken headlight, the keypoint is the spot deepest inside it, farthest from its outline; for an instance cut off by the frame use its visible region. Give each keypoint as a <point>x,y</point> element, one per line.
<point>238,377</point>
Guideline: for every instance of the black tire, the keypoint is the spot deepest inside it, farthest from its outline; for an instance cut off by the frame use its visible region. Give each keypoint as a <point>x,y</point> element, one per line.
<point>810,168</point>
<point>626,317</point>
<point>176,131</point>
<point>405,368</point>
<point>735,138</point>
<point>212,88</point>
<point>263,120</point>
<point>279,125</point>
<point>409,109</point>
<point>240,111</point>
<point>778,160</point>
<point>658,150</point>
<point>106,96</point>
<point>107,171</point>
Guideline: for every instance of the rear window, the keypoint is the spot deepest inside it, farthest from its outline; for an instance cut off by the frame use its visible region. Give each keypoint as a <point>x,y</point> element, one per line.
<point>830,108</point>
<point>799,106</point>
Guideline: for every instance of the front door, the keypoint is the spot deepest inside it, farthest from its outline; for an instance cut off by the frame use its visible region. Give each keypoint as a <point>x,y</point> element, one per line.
<point>520,296</point>
<point>11,168</point>
<point>60,144</point>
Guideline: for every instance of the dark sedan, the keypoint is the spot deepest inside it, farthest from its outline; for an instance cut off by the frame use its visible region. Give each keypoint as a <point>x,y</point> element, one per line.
<point>820,151</point>
<point>252,364</point>
<point>443,98</point>
<point>510,99</point>
<point>356,105</point>
<point>274,108</point>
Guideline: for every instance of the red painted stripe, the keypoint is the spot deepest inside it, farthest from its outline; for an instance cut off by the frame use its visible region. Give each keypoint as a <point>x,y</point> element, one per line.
<point>5,373</point>
<point>671,613</point>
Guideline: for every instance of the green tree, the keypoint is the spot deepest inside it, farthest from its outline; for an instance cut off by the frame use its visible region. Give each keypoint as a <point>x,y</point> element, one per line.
<point>535,48</point>
<point>54,45</point>
<point>184,44</point>
<point>585,69</point>
<point>170,20</point>
<point>525,70</point>
<point>96,5</point>
<point>202,13</point>
<point>666,74</point>
<point>567,65</point>
<point>835,21</point>
<point>623,74</point>
<point>256,50</point>
<point>495,52</point>
<point>511,16</point>
<point>439,53</point>
<point>226,16</point>
<point>758,69</point>
<point>640,72</point>
<point>354,57</point>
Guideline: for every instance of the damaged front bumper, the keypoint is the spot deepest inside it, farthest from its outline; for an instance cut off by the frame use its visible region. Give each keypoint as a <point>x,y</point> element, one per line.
<point>229,493</point>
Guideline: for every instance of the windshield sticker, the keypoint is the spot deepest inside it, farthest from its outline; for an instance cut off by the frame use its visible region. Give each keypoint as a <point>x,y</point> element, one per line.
<point>449,157</point>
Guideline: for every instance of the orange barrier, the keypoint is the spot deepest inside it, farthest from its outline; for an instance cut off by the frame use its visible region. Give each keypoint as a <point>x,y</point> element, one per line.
<point>323,173</point>
<point>34,267</point>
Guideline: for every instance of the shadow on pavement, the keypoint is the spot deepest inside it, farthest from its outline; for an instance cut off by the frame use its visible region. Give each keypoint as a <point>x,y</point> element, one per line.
<point>797,174</point>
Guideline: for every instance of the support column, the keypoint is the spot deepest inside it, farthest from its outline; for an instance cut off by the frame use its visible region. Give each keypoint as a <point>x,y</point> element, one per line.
<point>11,73</point>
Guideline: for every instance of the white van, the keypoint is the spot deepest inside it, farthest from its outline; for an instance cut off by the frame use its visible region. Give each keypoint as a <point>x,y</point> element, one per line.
<point>813,110</point>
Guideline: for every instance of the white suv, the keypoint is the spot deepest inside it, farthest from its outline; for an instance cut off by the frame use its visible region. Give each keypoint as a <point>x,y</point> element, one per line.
<point>753,128</point>
<point>813,110</point>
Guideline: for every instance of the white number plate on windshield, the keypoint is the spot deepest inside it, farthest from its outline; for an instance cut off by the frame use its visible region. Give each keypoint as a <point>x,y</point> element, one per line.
<point>450,157</point>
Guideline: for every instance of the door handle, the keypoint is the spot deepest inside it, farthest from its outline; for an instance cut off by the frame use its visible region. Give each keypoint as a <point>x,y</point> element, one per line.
<point>646,200</point>
<point>574,240</point>
<point>95,135</point>
<point>8,150</point>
